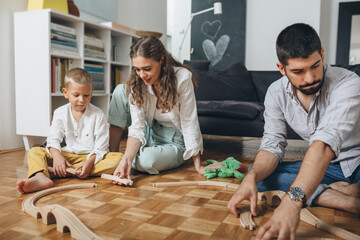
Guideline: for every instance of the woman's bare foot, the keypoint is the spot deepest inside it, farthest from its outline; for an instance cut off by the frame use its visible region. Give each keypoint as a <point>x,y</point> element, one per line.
<point>38,182</point>
<point>347,188</point>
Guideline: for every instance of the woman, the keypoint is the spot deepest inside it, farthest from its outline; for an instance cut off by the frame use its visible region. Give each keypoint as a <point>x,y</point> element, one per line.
<point>158,102</point>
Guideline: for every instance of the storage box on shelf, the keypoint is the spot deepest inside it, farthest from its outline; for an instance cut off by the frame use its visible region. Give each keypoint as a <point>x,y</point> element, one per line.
<point>49,43</point>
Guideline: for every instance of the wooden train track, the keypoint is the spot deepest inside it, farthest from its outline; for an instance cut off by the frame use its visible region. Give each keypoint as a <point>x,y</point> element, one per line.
<point>196,183</point>
<point>272,198</point>
<point>65,220</point>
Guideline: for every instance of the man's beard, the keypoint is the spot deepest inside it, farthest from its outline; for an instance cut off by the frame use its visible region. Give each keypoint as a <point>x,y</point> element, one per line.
<point>309,91</point>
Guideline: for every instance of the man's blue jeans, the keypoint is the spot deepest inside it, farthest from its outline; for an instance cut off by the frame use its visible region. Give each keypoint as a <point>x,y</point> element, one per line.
<point>286,172</point>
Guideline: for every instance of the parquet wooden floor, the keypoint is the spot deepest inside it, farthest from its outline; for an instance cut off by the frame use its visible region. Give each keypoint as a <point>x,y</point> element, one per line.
<point>144,211</point>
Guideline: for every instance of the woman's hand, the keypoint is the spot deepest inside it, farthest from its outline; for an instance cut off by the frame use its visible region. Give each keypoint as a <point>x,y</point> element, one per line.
<point>201,169</point>
<point>197,163</point>
<point>123,170</point>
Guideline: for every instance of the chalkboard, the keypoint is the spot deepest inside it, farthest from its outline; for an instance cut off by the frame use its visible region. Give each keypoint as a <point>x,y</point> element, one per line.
<point>219,38</point>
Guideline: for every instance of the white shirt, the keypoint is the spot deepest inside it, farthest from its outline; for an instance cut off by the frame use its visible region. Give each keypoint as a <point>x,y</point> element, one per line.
<point>333,117</point>
<point>163,118</point>
<point>183,115</point>
<point>88,136</point>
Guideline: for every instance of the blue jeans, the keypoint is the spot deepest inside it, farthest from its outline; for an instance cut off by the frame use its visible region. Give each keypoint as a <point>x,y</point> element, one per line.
<point>286,172</point>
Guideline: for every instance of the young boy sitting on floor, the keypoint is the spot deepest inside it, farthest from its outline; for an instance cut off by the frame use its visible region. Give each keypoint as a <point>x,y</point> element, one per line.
<point>85,130</point>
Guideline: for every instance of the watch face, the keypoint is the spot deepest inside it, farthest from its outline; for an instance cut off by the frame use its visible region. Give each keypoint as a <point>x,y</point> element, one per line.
<point>297,193</point>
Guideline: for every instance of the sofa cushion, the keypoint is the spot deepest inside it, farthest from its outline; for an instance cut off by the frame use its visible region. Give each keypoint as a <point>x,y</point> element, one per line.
<point>198,64</point>
<point>230,109</point>
<point>262,80</point>
<point>233,83</point>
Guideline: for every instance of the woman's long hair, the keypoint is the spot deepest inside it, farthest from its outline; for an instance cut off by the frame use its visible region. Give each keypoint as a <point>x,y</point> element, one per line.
<point>152,47</point>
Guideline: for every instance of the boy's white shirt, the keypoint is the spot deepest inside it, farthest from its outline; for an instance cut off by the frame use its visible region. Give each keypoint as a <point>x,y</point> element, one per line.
<point>88,136</point>
<point>183,115</point>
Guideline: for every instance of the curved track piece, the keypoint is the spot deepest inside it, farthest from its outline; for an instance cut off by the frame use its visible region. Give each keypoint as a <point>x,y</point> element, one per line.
<point>270,197</point>
<point>311,219</point>
<point>246,220</point>
<point>64,218</point>
<point>197,183</point>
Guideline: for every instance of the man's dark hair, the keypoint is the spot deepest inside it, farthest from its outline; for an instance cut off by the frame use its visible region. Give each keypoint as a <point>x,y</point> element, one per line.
<point>297,41</point>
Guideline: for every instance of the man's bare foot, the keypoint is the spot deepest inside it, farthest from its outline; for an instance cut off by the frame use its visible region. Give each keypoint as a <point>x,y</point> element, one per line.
<point>38,182</point>
<point>347,188</point>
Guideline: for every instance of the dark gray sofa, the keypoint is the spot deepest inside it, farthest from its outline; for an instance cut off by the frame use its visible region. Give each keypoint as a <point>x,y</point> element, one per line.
<point>231,102</point>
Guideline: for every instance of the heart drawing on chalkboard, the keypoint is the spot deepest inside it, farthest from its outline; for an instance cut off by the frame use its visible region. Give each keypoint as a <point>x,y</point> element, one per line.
<point>211,29</point>
<point>215,53</point>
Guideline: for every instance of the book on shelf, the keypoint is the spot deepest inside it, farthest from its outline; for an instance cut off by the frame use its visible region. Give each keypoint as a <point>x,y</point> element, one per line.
<point>93,69</point>
<point>98,86</point>
<point>114,52</point>
<point>63,47</point>
<point>95,65</point>
<point>58,37</point>
<point>92,41</point>
<point>62,34</point>
<point>59,68</point>
<point>94,48</point>
<point>62,28</point>
<point>60,52</point>
<point>115,77</point>
<point>94,54</point>
<point>64,43</point>
<point>96,72</point>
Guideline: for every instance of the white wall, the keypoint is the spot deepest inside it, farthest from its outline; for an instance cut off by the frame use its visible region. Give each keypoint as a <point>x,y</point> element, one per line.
<point>177,27</point>
<point>264,21</point>
<point>8,137</point>
<point>329,26</point>
<point>144,15</point>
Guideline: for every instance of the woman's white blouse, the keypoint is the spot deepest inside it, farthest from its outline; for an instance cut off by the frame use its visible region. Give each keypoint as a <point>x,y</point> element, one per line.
<point>183,115</point>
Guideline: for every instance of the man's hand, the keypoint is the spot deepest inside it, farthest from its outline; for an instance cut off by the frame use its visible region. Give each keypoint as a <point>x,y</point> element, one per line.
<point>123,170</point>
<point>59,166</point>
<point>284,221</point>
<point>246,191</point>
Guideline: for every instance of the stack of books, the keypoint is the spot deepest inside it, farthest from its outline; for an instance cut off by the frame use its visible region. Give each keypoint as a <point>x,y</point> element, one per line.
<point>63,39</point>
<point>115,77</point>
<point>94,47</point>
<point>59,68</point>
<point>97,74</point>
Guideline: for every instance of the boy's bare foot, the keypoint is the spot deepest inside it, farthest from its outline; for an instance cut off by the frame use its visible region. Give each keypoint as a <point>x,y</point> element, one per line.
<point>38,182</point>
<point>347,188</point>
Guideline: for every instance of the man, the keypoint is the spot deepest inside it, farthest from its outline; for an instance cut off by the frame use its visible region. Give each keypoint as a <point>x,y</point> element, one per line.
<point>322,104</point>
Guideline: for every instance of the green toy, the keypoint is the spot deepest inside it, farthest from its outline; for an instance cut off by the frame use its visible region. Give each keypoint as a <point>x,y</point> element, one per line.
<point>231,167</point>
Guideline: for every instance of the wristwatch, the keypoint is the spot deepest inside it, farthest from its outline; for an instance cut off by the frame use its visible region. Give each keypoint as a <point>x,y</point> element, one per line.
<point>298,195</point>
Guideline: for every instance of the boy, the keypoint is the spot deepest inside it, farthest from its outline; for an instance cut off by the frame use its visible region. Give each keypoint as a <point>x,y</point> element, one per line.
<point>84,128</point>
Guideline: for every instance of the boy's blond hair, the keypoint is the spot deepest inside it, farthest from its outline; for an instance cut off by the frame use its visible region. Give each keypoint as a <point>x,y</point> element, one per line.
<point>79,76</point>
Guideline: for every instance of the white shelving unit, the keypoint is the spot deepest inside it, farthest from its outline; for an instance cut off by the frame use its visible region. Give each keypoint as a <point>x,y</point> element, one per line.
<point>35,103</point>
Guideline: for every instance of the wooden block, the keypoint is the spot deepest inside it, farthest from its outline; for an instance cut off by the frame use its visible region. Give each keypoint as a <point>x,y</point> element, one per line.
<point>124,181</point>
<point>73,171</point>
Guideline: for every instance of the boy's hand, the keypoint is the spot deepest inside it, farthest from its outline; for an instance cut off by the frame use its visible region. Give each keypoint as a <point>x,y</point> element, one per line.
<point>86,167</point>
<point>60,165</point>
